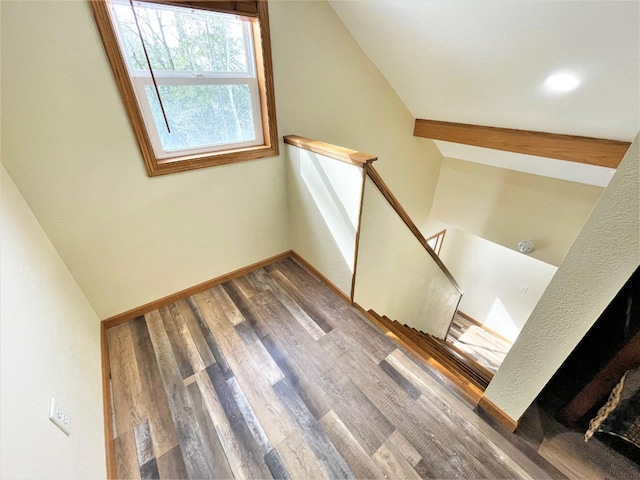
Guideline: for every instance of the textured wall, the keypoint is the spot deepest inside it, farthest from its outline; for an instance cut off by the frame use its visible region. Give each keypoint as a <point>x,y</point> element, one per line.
<point>505,206</point>
<point>601,260</point>
<point>49,347</point>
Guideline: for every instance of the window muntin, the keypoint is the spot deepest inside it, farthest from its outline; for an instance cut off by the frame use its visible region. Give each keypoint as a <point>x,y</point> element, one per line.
<point>205,69</point>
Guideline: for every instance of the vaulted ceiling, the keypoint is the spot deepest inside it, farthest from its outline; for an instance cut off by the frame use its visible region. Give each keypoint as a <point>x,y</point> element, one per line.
<point>485,62</point>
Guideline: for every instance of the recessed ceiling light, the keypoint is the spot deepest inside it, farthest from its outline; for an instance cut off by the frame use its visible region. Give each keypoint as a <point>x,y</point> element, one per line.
<point>562,82</point>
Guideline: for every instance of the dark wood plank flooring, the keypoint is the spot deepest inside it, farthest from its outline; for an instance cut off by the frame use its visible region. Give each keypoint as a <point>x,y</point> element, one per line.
<point>272,375</point>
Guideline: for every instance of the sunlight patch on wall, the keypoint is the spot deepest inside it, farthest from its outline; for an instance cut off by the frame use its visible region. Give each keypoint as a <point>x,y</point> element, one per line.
<point>500,321</point>
<point>331,187</point>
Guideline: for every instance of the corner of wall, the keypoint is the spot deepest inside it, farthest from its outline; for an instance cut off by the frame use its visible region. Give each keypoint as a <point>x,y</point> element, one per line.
<point>601,260</point>
<point>50,338</point>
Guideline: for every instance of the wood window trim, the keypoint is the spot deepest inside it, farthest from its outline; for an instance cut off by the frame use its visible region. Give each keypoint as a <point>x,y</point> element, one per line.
<point>439,240</point>
<point>262,46</point>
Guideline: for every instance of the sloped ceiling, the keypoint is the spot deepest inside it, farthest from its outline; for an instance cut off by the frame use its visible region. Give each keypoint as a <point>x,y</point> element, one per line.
<point>484,63</point>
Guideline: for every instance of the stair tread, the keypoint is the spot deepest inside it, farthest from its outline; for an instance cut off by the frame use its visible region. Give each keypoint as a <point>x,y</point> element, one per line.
<point>433,351</point>
<point>486,374</point>
<point>445,365</point>
<point>446,357</point>
<point>459,361</point>
<point>378,321</point>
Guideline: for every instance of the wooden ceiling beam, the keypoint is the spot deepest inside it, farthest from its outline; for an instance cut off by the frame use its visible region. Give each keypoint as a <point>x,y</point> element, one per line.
<point>592,151</point>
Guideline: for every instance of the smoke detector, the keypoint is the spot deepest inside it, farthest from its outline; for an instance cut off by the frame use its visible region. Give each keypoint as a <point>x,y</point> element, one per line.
<point>526,246</point>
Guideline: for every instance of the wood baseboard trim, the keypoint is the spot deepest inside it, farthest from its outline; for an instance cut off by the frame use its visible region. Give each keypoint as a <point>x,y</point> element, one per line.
<point>466,390</point>
<point>107,408</point>
<point>484,327</point>
<point>494,411</point>
<point>141,310</point>
<point>374,321</point>
<point>318,274</point>
<point>187,292</point>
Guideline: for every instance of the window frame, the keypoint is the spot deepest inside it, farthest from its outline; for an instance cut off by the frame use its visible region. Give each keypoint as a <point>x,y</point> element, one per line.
<point>258,15</point>
<point>439,238</point>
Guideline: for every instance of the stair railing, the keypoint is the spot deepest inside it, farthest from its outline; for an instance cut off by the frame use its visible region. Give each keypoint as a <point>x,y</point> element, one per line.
<point>373,174</point>
<point>387,271</point>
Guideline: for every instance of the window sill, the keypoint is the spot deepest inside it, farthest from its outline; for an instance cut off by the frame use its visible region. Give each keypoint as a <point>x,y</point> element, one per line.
<point>193,162</point>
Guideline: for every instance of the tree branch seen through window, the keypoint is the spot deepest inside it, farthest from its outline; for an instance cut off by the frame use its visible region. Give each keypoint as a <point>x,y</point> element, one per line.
<point>212,71</point>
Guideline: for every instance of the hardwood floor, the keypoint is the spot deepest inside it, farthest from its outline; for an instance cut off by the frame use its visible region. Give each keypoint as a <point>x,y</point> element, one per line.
<point>459,369</point>
<point>274,375</point>
<point>482,345</point>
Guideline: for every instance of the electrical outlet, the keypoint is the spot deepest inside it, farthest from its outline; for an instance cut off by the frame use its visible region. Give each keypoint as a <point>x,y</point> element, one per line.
<point>58,416</point>
<point>524,288</point>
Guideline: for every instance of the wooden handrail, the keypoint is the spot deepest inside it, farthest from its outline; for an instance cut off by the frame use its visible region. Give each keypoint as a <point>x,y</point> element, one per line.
<point>333,151</point>
<point>402,213</point>
<point>365,160</point>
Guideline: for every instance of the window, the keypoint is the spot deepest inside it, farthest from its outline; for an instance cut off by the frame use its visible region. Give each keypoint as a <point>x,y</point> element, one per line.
<point>435,242</point>
<point>195,77</point>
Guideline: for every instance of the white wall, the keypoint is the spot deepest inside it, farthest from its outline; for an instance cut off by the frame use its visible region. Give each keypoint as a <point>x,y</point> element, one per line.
<point>129,239</point>
<point>601,260</point>
<point>327,89</point>
<point>505,206</point>
<point>491,277</point>
<point>484,62</point>
<point>324,209</point>
<point>396,276</point>
<point>49,347</point>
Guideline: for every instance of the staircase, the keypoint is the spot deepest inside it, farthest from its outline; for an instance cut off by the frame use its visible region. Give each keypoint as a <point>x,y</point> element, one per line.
<point>378,236</point>
<point>456,365</point>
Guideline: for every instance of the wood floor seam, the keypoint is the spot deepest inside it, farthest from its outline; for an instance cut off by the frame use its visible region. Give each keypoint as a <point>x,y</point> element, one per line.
<point>272,375</point>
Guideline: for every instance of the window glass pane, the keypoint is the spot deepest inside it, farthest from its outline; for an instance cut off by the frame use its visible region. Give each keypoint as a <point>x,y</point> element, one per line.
<point>202,115</point>
<point>181,39</point>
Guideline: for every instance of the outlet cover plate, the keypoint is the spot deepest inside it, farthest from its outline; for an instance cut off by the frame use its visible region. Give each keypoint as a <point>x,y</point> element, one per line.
<point>59,417</point>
